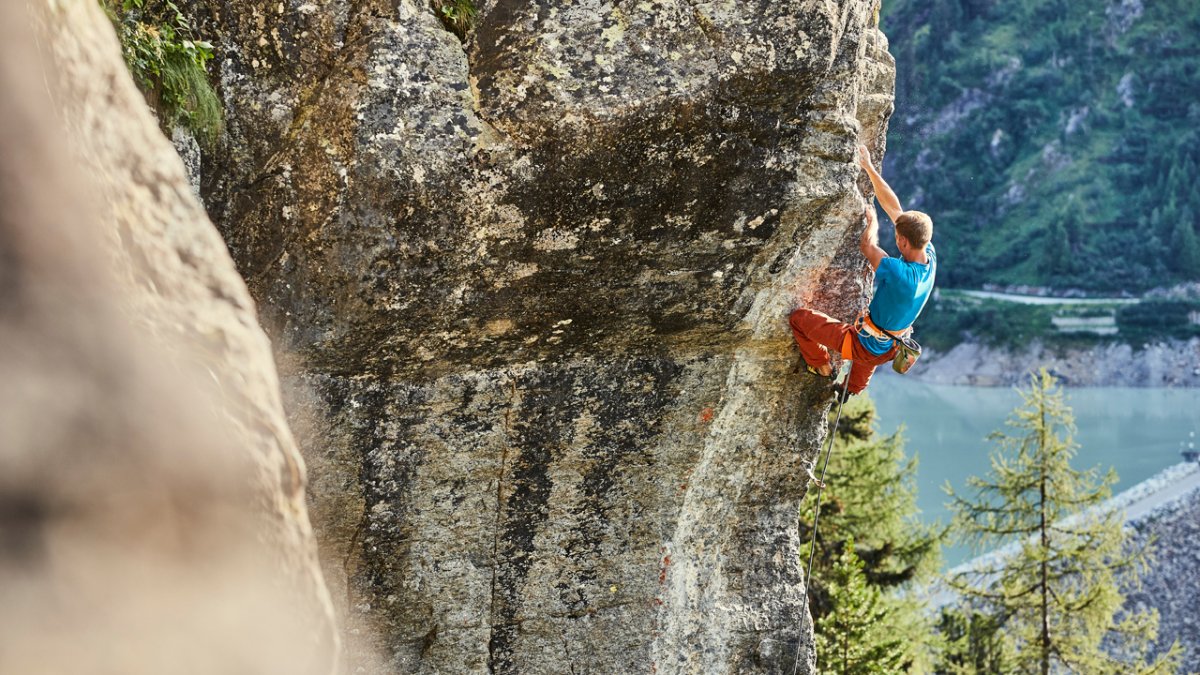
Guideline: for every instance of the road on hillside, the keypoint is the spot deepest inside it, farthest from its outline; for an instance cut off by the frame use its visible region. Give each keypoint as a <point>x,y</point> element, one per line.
<point>1167,493</point>
<point>1042,300</point>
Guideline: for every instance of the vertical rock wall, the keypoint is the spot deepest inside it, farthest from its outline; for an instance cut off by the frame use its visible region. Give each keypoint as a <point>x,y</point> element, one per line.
<point>530,293</point>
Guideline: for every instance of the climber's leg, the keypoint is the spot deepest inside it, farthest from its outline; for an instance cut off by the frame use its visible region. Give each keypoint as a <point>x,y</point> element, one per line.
<point>814,333</point>
<point>860,376</point>
<point>864,365</point>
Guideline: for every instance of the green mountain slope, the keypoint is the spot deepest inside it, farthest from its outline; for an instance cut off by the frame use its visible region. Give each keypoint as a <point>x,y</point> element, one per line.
<point>1054,142</point>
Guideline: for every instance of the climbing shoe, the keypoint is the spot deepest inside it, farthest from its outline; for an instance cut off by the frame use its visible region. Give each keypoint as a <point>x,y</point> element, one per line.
<point>813,371</point>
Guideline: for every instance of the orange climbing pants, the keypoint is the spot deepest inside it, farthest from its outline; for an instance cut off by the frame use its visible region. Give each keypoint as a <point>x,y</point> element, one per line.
<point>815,332</point>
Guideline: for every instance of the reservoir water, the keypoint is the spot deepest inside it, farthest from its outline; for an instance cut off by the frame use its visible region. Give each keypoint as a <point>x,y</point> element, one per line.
<point>1138,432</point>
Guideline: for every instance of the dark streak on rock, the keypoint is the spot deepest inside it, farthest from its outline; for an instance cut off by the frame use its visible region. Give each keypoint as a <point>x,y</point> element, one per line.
<point>524,507</point>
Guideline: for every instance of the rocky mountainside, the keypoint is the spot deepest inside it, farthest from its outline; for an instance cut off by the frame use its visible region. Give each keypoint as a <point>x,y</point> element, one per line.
<point>1162,364</point>
<point>151,494</point>
<point>529,292</point>
<point>1055,143</point>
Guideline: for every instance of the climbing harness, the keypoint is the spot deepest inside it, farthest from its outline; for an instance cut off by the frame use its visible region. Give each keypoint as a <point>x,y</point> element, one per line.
<point>864,323</point>
<point>908,350</point>
<point>820,483</point>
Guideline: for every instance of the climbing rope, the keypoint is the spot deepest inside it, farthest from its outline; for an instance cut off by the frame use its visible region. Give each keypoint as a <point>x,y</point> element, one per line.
<point>820,482</point>
<point>817,512</point>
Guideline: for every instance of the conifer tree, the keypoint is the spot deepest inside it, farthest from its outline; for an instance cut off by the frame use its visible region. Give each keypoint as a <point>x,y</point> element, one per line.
<point>871,497</point>
<point>1055,591</point>
<point>1185,245</point>
<point>1056,256</point>
<point>971,643</point>
<point>871,500</point>
<point>1156,223</point>
<point>855,637</point>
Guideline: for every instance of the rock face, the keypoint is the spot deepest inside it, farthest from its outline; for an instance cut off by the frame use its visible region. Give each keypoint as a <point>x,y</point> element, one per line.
<point>1174,363</point>
<point>151,493</point>
<point>530,293</point>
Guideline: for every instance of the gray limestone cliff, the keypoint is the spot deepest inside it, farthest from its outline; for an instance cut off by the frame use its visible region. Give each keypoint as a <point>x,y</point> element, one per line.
<point>151,494</point>
<point>530,292</point>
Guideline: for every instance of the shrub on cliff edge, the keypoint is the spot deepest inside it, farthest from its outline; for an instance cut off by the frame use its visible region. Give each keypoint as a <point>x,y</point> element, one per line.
<point>169,63</point>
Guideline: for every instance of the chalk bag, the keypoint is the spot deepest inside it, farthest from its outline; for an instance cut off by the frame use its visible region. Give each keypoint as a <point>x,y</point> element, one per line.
<point>907,352</point>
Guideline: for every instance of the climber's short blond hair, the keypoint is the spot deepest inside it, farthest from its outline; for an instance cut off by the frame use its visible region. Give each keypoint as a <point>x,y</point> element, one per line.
<point>915,227</point>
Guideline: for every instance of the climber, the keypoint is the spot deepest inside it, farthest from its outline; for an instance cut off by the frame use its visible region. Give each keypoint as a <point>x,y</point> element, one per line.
<point>901,289</point>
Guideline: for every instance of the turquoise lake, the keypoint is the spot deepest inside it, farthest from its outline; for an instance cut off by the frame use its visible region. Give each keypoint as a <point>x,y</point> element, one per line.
<point>1139,432</point>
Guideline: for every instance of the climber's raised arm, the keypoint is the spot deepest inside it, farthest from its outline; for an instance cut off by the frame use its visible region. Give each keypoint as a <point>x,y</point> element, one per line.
<point>901,288</point>
<point>869,242</point>
<point>883,191</point>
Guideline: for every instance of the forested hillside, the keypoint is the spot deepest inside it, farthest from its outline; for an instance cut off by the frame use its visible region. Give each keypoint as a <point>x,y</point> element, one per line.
<point>1054,142</point>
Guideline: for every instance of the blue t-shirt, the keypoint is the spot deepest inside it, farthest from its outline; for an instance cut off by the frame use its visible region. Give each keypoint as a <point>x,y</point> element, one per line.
<point>901,289</point>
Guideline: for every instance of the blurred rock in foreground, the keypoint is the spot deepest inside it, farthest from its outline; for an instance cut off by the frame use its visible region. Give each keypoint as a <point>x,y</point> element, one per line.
<point>151,496</point>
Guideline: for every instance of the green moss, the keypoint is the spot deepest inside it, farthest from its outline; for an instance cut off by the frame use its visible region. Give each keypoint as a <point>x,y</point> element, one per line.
<point>169,63</point>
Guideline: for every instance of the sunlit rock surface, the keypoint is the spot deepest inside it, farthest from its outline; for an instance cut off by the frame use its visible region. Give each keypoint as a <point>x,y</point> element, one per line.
<point>530,294</point>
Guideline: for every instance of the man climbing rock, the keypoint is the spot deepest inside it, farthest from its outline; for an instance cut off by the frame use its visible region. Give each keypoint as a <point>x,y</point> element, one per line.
<point>901,288</point>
